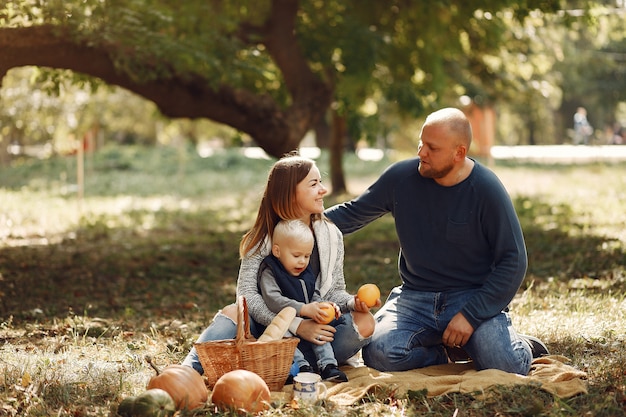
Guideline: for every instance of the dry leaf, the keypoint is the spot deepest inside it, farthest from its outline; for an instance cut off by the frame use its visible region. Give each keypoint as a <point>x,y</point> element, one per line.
<point>26,379</point>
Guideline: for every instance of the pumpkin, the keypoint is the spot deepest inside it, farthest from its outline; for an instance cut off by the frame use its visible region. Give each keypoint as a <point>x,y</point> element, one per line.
<point>154,403</point>
<point>126,407</point>
<point>182,383</point>
<point>242,391</point>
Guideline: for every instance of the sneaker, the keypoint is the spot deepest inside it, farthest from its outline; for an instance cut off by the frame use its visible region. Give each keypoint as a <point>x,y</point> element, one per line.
<point>355,361</point>
<point>537,347</point>
<point>457,354</point>
<point>305,368</point>
<point>332,373</point>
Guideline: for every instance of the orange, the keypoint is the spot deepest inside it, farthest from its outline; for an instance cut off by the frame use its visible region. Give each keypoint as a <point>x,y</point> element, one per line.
<point>330,312</point>
<point>368,293</point>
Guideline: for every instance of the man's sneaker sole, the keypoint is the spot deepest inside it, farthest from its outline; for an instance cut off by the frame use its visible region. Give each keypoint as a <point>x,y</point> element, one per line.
<point>537,347</point>
<point>457,354</point>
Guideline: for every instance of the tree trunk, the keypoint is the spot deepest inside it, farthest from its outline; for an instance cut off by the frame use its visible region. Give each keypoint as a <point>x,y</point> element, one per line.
<point>5,157</point>
<point>322,133</point>
<point>337,178</point>
<point>531,133</point>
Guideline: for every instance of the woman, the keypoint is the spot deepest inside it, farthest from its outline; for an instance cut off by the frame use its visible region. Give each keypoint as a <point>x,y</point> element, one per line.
<point>294,190</point>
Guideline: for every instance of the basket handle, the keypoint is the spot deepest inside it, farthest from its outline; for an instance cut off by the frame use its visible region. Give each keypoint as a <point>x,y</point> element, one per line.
<point>243,321</point>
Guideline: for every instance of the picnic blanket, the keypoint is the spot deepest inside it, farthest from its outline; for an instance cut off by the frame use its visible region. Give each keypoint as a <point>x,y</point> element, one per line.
<point>550,373</point>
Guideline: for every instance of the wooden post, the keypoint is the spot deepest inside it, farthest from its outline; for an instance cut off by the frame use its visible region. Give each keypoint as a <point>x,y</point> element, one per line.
<point>80,175</point>
<point>483,121</point>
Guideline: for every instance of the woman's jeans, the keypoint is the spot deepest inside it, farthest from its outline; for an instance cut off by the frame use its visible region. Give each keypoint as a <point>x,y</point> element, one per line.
<point>410,325</point>
<point>347,341</point>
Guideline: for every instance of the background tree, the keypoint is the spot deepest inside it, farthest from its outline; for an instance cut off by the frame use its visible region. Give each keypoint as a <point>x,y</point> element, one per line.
<point>594,71</point>
<point>554,63</point>
<point>245,69</point>
<point>274,69</point>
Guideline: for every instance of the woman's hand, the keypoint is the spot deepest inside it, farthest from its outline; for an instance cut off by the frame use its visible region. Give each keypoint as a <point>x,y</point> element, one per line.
<point>361,307</point>
<point>316,333</point>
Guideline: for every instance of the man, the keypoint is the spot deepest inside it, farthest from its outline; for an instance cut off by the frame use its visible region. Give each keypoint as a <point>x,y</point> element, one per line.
<point>462,257</point>
<point>582,128</point>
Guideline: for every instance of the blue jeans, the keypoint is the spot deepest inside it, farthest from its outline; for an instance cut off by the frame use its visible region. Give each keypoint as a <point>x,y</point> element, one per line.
<point>410,325</point>
<point>347,341</point>
<point>322,355</point>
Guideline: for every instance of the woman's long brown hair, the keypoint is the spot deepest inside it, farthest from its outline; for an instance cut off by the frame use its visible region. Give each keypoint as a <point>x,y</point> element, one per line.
<point>279,200</point>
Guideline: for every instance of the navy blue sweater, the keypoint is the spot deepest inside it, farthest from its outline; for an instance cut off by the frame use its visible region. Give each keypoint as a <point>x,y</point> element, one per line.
<point>451,238</point>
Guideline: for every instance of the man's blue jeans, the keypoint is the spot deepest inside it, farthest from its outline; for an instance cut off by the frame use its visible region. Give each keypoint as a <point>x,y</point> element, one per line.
<point>410,324</point>
<point>347,341</point>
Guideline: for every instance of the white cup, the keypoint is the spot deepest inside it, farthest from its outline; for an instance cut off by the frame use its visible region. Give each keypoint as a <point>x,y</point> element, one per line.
<point>308,387</point>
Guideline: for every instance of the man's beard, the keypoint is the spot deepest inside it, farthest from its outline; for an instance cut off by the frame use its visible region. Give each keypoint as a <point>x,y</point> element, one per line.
<point>434,173</point>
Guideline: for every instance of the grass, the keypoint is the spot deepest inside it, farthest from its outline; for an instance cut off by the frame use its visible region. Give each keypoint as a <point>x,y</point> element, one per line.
<point>141,263</point>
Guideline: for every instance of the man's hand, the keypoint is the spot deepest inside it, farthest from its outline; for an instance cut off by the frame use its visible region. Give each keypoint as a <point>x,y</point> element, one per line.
<point>458,332</point>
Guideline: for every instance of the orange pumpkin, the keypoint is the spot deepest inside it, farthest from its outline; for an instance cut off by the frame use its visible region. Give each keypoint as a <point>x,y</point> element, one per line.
<point>183,383</point>
<point>242,391</point>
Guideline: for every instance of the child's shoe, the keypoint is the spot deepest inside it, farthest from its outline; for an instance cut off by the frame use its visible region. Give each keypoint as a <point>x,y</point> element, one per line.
<point>333,374</point>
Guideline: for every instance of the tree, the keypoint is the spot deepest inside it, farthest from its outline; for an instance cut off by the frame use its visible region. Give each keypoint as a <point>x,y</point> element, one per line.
<point>554,63</point>
<point>269,68</point>
<point>594,71</point>
<point>165,53</point>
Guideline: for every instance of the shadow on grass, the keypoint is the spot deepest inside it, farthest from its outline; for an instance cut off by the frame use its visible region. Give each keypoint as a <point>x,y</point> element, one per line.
<point>562,247</point>
<point>187,263</point>
<point>184,263</point>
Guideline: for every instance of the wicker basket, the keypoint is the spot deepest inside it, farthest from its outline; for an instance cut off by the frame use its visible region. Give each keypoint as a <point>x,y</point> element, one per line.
<point>271,360</point>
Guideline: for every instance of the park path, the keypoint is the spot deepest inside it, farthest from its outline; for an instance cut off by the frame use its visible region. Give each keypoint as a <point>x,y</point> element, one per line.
<point>560,153</point>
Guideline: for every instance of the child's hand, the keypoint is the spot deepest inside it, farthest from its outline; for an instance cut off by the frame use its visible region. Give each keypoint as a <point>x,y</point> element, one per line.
<point>337,309</point>
<point>319,311</point>
<point>309,310</point>
<point>326,312</point>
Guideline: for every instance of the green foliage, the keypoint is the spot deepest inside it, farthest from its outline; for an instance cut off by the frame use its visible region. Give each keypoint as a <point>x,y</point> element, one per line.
<point>35,118</point>
<point>596,77</point>
<point>525,57</point>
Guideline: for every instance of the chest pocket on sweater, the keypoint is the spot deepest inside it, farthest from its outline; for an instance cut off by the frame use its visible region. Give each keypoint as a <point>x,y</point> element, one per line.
<point>458,232</point>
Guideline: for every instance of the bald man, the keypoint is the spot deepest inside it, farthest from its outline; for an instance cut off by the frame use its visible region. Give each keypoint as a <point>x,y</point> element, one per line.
<point>462,257</point>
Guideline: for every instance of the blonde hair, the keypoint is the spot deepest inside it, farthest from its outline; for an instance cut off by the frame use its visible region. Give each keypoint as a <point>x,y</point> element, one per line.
<point>292,229</point>
<point>279,200</point>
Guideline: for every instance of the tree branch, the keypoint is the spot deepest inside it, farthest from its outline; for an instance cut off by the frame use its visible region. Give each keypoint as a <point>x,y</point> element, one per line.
<point>274,129</point>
